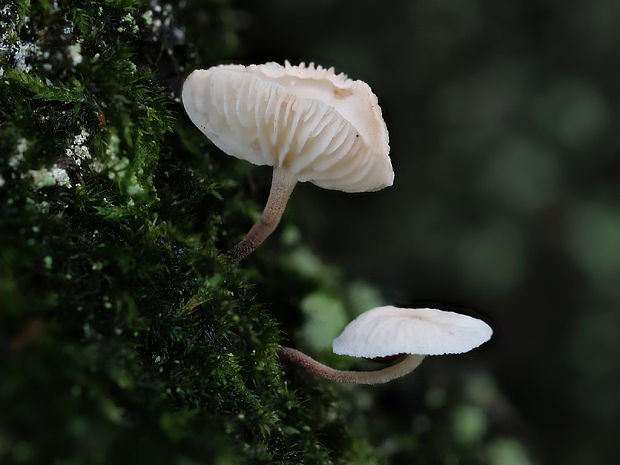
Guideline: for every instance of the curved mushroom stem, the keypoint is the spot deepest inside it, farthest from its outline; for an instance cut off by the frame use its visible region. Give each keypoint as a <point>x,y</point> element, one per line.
<point>405,366</point>
<point>282,185</point>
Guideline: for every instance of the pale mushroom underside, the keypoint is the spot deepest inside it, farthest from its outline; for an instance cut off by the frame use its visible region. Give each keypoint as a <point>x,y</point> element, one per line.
<point>267,115</point>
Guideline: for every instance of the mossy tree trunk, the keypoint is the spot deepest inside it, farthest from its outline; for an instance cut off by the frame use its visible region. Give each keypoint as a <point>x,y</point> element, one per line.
<point>111,210</point>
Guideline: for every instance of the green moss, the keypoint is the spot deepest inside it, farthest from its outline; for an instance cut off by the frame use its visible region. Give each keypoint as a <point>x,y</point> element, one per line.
<point>113,213</point>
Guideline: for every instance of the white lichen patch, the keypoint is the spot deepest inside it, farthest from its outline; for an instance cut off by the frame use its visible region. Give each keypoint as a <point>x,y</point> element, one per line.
<point>75,53</point>
<point>12,48</point>
<point>25,50</point>
<point>20,51</point>
<point>18,156</point>
<point>60,176</point>
<point>7,29</point>
<point>78,151</point>
<point>2,181</point>
<point>45,177</point>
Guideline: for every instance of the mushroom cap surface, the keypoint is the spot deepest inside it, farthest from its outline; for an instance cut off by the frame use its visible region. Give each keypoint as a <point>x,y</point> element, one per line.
<point>321,126</point>
<point>389,330</point>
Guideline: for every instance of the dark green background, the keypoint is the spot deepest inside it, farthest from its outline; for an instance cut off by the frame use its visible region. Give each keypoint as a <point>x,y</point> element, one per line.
<point>503,121</point>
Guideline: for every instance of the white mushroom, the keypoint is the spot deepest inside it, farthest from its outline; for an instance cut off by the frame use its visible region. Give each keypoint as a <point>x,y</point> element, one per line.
<point>309,123</point>
<point>387,331</point>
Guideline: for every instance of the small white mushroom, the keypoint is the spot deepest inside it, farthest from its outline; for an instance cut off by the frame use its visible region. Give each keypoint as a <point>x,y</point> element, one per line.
<point>308,122</point>
<point>388,331</point>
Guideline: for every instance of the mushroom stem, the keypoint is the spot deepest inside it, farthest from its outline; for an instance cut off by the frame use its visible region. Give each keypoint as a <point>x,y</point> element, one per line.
<point>282,185</point>
<point>405,366</point>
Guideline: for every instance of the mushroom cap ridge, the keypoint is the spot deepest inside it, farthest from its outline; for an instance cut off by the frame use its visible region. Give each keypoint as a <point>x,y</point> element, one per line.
<point>323,127</point>
<point>389,330</point>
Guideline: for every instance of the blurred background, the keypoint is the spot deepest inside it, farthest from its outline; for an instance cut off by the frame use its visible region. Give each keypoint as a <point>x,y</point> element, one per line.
<point>503,121</point>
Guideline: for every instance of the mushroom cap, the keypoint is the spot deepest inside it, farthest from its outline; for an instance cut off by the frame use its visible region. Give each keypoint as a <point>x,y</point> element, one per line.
<point>321,126</point>
<point>389,330</point>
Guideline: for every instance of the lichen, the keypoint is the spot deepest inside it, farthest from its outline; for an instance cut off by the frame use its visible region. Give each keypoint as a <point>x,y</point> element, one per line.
<point>78,151</point>
<point>74,50</point>
<point>44,177</point>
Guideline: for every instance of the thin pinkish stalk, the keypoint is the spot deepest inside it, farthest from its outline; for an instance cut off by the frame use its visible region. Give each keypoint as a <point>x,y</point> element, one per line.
<point>282,185</point>
<point>405,366</point>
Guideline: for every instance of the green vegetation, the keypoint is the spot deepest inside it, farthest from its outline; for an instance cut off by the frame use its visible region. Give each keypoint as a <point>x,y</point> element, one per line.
<point>112,210</point>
